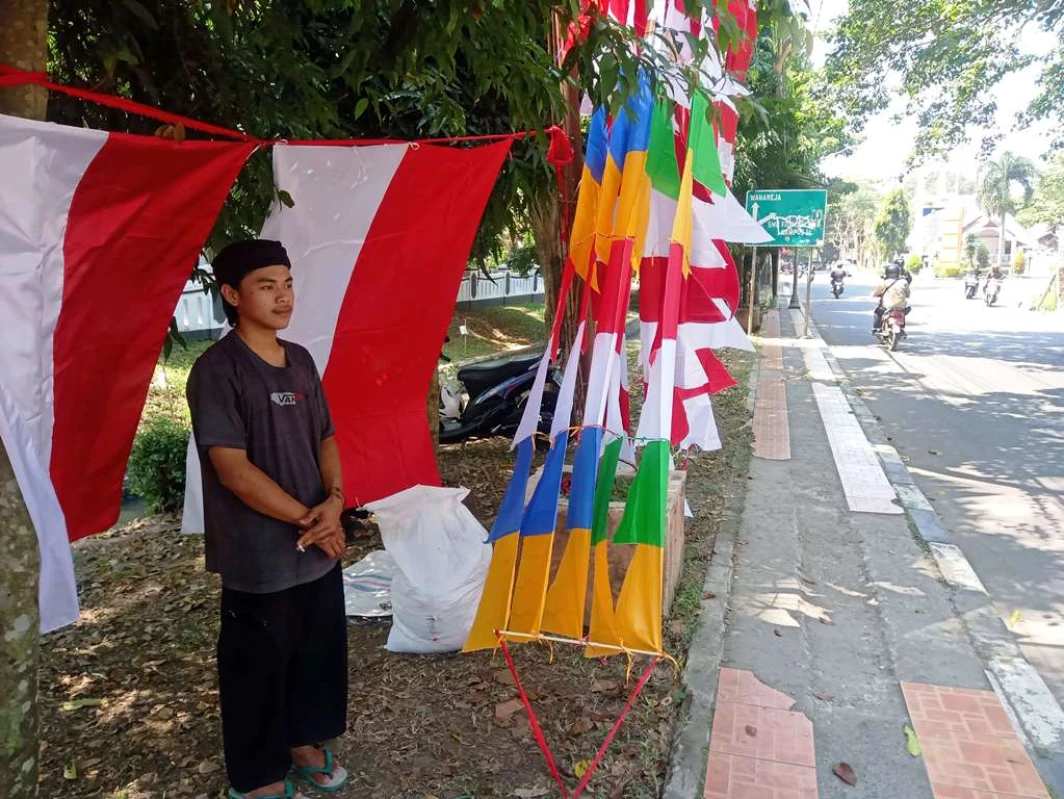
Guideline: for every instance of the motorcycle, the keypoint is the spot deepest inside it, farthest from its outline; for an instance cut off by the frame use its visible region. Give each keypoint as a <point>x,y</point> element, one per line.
<point>990,293</point>
<point>971,285</point>
<point>892,328</point>
<point>492,398</point>
<point>837,288</point>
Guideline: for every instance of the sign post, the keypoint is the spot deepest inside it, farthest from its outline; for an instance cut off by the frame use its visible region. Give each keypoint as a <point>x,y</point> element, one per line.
<point>794,218</point>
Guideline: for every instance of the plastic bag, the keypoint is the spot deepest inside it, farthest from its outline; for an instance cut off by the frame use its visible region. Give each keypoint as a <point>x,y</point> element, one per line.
<point>441,563</point>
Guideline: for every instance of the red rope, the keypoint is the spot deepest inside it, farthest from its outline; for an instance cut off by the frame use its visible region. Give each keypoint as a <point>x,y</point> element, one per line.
<point>533,721</point>
<point>541,741</point>
<point>12,76</point>
<point>613,730</point>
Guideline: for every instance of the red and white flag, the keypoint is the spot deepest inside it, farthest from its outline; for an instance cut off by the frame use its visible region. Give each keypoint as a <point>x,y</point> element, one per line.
<point>378,238</point>
<point>98,234</point>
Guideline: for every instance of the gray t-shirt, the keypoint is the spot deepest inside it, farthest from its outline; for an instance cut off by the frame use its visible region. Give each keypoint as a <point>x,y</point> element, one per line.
<point>279,416</point>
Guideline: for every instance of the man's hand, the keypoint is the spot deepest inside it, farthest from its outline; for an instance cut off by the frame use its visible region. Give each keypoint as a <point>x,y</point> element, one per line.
<point>322,527</point>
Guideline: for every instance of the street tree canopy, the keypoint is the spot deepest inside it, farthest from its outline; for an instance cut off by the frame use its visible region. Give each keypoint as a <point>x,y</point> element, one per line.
<point>944,56</point>
<point>892,224</point>
<point>1047,205</point>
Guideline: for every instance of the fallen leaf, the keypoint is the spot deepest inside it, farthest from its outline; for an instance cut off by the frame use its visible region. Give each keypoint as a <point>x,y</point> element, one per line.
<point>70,772</point>
<point>584,724</point>
<point>933,452</point>
<point>77,704</point>
<point>677,626</point>
<point>600,687</point>
<point>580,767</point>
<point>1015,619</point>
<point>709,595</point>
<point>531,793</point>
<point>751,730</point>
<point>776,632</point>
<point>504,711</point>
<point>845,773</point>
<point>207,767</point>
<point>912,743</point>
<point>824,697</point>
<point>504,677</point>
<point>826,620</point>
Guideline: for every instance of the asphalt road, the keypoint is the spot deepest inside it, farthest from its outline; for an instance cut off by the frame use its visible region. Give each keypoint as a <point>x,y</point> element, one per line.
<point>974,400</point>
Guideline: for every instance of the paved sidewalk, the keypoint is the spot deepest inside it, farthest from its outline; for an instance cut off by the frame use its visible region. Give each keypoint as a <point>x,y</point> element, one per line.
<point>837,629</point>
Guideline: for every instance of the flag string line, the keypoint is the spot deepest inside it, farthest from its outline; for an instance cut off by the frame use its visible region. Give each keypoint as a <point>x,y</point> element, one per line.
<point>11,77</point>
<point>537,730</point>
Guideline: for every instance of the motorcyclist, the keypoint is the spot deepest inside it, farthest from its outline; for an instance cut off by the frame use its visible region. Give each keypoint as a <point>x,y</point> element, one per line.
<point>893,293</point>
<point>838,274</point>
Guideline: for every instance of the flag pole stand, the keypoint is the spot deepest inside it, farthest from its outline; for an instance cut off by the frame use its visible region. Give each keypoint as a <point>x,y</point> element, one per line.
<point>795,303</point>
<point>750,296</point>
<point>808,295</point>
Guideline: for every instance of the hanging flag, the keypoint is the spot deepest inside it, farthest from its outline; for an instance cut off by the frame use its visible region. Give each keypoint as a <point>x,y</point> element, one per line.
<point>541,515</point>
<point>493,612</point>
<point>585,218</point>
<point>603,627</point>
<point>639,605</point>
<point>567,596</point>
<point>368,224</point>
<point>98,234</point>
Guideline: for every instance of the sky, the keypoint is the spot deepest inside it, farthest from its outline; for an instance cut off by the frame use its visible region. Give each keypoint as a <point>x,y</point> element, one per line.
<point>886,143</point>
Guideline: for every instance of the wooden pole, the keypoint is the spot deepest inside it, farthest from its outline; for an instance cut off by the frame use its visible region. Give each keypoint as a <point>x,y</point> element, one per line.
<point>808,294</point>
<point>750,297</point>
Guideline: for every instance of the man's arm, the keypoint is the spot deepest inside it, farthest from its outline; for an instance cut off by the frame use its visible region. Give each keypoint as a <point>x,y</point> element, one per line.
<point>254,487</point>
<point>322,523</point>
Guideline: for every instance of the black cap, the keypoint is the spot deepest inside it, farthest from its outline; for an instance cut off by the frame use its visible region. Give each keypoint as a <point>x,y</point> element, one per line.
<point>241,257</point>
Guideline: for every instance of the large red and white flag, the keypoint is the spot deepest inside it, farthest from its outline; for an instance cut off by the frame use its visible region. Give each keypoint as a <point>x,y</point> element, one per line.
<point>98,234</point>
<point>378,238</point>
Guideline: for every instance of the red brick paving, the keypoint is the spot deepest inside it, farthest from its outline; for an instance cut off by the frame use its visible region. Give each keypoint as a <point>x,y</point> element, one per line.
<point>772,435</point>
<point>970,747</point>
<point>771,354</point>
<point>758,749</point>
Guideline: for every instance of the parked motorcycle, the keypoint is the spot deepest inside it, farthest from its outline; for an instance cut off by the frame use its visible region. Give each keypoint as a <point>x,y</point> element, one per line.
<point>892,328</point>
<point>971,285</point>
<point>992,290</point>
<point>837,288</point>
<point>492,398</point>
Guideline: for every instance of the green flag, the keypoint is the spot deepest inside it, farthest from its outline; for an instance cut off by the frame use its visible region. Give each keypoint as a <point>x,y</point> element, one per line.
<point>702,144</point>
<point>644,512</point>
<point>661,156</point>
<point>604,491</point>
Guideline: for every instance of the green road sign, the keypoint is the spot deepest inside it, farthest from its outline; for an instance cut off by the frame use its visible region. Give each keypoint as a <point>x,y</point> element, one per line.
<point>794,218</point>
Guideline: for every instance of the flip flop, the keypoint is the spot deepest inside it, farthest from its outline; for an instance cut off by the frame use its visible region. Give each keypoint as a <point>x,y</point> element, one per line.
<point>289,793</point>
<point>338,775</point>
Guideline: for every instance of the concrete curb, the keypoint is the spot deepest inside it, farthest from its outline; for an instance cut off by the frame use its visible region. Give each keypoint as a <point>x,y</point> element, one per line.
<point>1039,717</point>
<point>690,746</point>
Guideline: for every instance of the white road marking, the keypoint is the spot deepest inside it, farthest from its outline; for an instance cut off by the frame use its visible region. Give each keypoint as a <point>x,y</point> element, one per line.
<point>865,485</point>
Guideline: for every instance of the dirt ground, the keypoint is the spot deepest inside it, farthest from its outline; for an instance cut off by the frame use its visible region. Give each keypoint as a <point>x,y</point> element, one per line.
<point>129,703</point>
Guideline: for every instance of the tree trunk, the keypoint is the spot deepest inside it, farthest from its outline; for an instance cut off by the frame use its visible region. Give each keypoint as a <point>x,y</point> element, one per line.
<point>23,31</point>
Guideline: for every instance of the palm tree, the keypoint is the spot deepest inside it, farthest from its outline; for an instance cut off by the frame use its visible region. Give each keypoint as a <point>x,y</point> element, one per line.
<point>997,179</point>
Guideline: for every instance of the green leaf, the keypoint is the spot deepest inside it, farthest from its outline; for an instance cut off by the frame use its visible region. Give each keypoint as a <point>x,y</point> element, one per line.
<point>285,198</point>
<point>360,109</point>
<point>912,743</point>
<point>70,771</point>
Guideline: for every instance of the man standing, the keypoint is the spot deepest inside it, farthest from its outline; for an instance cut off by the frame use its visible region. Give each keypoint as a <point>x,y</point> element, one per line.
<point>272,496</point>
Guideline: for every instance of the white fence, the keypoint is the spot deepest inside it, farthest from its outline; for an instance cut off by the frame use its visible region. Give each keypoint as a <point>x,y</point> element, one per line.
<point>198,312</point>
<point>499,287</point>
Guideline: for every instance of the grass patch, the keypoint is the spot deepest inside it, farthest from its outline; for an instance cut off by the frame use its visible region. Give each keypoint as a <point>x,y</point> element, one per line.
<point>166,394</point>
<point>494,329</point>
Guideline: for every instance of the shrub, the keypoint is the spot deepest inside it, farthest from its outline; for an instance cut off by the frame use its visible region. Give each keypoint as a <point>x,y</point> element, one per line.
<point>914,264</point>
<point>1019,262</point>
<point>948,270</point>
<point>982,255</point>
<point>157,464</point>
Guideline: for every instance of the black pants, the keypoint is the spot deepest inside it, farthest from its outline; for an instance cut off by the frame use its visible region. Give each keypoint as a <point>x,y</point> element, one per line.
<point>878,322</point>
<point>282,675</point>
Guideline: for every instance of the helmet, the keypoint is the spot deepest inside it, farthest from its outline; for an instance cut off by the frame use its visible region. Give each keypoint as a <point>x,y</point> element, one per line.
<point>893,272</point>
<point>899,262</point>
